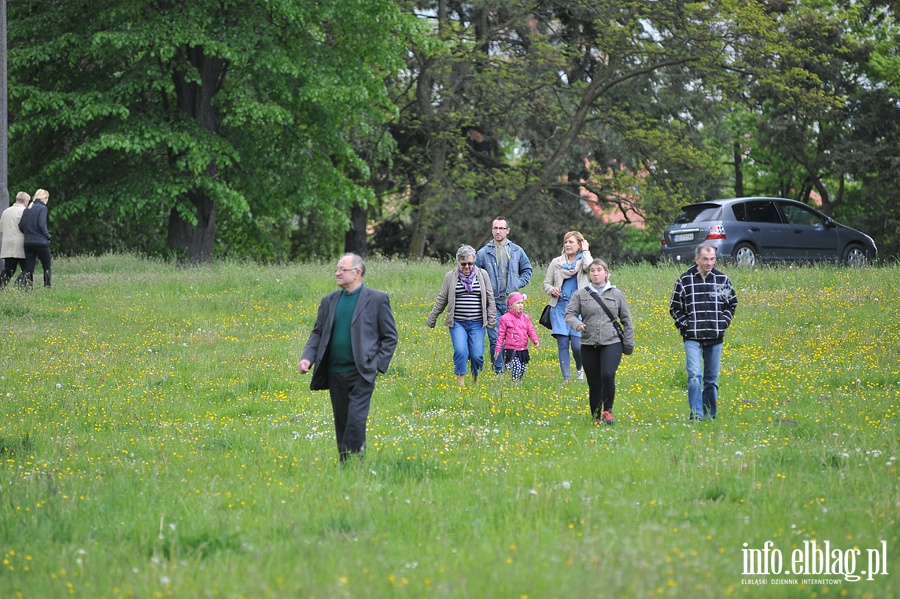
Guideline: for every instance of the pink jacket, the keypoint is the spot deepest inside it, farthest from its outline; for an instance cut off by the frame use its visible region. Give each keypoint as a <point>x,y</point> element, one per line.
<point>515,330</point>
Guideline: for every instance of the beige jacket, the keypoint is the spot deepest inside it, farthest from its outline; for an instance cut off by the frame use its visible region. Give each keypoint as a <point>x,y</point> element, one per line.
<point>447,299</point>
<point>13,239</point>
<point>554,277</point>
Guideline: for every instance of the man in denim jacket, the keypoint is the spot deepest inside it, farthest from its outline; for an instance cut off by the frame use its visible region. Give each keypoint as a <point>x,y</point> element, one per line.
<point>509,270</point>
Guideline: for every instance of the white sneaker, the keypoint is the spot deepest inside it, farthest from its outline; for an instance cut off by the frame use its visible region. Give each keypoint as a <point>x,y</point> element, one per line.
<point>579,375</point>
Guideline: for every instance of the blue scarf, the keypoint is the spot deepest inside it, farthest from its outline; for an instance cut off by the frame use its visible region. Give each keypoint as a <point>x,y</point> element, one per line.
<point>565,264</point>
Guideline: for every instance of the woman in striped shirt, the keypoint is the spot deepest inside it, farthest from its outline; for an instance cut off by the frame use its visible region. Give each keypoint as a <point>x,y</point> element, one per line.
<point>468,297</point>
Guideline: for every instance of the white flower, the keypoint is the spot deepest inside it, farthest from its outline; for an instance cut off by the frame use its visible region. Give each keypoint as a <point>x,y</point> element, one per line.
<point>566,484</point>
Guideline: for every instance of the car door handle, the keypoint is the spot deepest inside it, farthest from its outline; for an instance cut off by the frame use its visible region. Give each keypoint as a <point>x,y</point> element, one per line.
<point>754,229</point>
<point>798,231</point>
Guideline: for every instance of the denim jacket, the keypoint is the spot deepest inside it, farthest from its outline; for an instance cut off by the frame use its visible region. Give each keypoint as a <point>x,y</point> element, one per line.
<point>518,271</point>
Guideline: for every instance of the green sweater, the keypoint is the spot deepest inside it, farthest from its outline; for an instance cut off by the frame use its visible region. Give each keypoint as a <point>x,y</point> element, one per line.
<point>340,351</point>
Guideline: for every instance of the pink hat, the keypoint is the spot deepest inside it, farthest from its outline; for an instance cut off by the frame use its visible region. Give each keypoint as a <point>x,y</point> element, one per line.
<point>516,297</point>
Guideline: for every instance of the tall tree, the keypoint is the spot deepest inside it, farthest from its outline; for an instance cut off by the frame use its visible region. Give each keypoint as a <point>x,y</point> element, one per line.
<point>822,137</point>
<point>621,89</point>
<point>167,115</point>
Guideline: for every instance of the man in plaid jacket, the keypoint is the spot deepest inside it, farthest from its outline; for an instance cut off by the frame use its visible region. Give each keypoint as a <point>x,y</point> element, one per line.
<point>703,305</point>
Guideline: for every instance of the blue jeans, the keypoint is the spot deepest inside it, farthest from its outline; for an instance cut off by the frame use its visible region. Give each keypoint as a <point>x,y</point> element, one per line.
<point>494,333</point>
<point>562,348</point>
<point>467,337</point>
<point>703,377</point>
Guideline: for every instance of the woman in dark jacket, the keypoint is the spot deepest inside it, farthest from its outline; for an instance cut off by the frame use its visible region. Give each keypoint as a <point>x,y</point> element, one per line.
<point>37,238</point>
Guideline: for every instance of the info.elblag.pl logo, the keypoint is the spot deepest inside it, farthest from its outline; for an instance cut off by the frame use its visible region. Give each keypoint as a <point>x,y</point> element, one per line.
<point>815,559</point>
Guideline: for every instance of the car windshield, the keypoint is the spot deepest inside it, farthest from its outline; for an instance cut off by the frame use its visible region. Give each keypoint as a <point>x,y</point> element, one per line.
<point>698,213</point>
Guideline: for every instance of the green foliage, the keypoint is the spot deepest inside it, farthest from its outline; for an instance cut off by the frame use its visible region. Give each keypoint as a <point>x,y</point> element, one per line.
<point>266,130</point>
<point>144,110</point>
<point>156,439</point>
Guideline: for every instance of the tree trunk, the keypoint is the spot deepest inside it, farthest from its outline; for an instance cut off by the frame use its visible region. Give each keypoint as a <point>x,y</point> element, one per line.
<point>195,100</point>
<point>738,169</point>
<point>355,239</point>
<point>196,241</point>
<point>431,194</point>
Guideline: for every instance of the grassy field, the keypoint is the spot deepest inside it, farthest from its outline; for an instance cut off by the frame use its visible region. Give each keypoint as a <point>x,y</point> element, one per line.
<point>156,440</point>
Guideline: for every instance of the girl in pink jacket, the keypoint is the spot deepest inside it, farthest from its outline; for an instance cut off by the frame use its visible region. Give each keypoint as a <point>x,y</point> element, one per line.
<point>514,332</point>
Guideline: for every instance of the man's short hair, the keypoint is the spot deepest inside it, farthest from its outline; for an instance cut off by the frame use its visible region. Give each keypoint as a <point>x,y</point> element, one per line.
<point>22,197</point>
<point>704,246</point>
<point>357,262</point>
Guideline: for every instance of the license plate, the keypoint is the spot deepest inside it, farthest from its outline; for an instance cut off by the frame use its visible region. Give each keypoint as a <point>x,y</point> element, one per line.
<point>684,237</point>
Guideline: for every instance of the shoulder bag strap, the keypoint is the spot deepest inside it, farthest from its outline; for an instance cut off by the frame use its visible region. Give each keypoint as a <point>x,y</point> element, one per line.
<point>609,313</point>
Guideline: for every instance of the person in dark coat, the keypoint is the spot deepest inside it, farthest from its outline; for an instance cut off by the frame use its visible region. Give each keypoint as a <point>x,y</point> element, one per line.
<point>354,339</point>
<point>33,226</point>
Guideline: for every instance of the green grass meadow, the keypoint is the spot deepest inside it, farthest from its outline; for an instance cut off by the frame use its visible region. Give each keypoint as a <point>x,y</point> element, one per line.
<point>156,440</point>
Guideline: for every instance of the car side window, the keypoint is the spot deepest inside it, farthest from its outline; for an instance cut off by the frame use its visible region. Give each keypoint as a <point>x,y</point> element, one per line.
<point>740,212</point>
<point>800,215</point>
<point>762,211</point>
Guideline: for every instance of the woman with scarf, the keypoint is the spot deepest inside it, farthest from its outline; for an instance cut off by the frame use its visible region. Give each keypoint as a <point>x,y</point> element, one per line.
<point>469,299</point>
<point>566,274</point>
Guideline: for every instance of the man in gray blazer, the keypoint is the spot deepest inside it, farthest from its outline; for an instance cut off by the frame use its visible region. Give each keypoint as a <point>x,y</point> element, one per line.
<point>354,339</point>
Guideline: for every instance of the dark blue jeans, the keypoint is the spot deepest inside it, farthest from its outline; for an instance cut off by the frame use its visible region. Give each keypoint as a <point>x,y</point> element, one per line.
<point>493,333</point>
<point>562,348</point>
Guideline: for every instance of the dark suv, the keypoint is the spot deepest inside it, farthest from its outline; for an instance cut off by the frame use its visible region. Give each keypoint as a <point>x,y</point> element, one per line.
<point>748,230</point>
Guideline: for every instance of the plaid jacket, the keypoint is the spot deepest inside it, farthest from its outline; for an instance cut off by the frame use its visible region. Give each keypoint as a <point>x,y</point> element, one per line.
<point>703,309</point>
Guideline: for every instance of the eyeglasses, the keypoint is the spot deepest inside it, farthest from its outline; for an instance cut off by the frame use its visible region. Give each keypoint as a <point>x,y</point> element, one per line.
<point>466,264</point>
<point>499,228</point>
<point>339,269</point>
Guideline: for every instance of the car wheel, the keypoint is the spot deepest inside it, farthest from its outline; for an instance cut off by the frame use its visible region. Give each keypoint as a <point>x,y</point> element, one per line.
<point>744,254</point>
<point>855,256</point>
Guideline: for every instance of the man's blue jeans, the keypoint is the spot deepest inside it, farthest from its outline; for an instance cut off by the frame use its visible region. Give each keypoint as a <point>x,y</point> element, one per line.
<point>494,333</point>
<point>703,377</point>
<point>467,337</point>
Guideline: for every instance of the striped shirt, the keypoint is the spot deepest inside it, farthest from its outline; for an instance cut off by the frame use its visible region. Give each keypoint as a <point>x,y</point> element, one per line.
<point>468,304</point>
